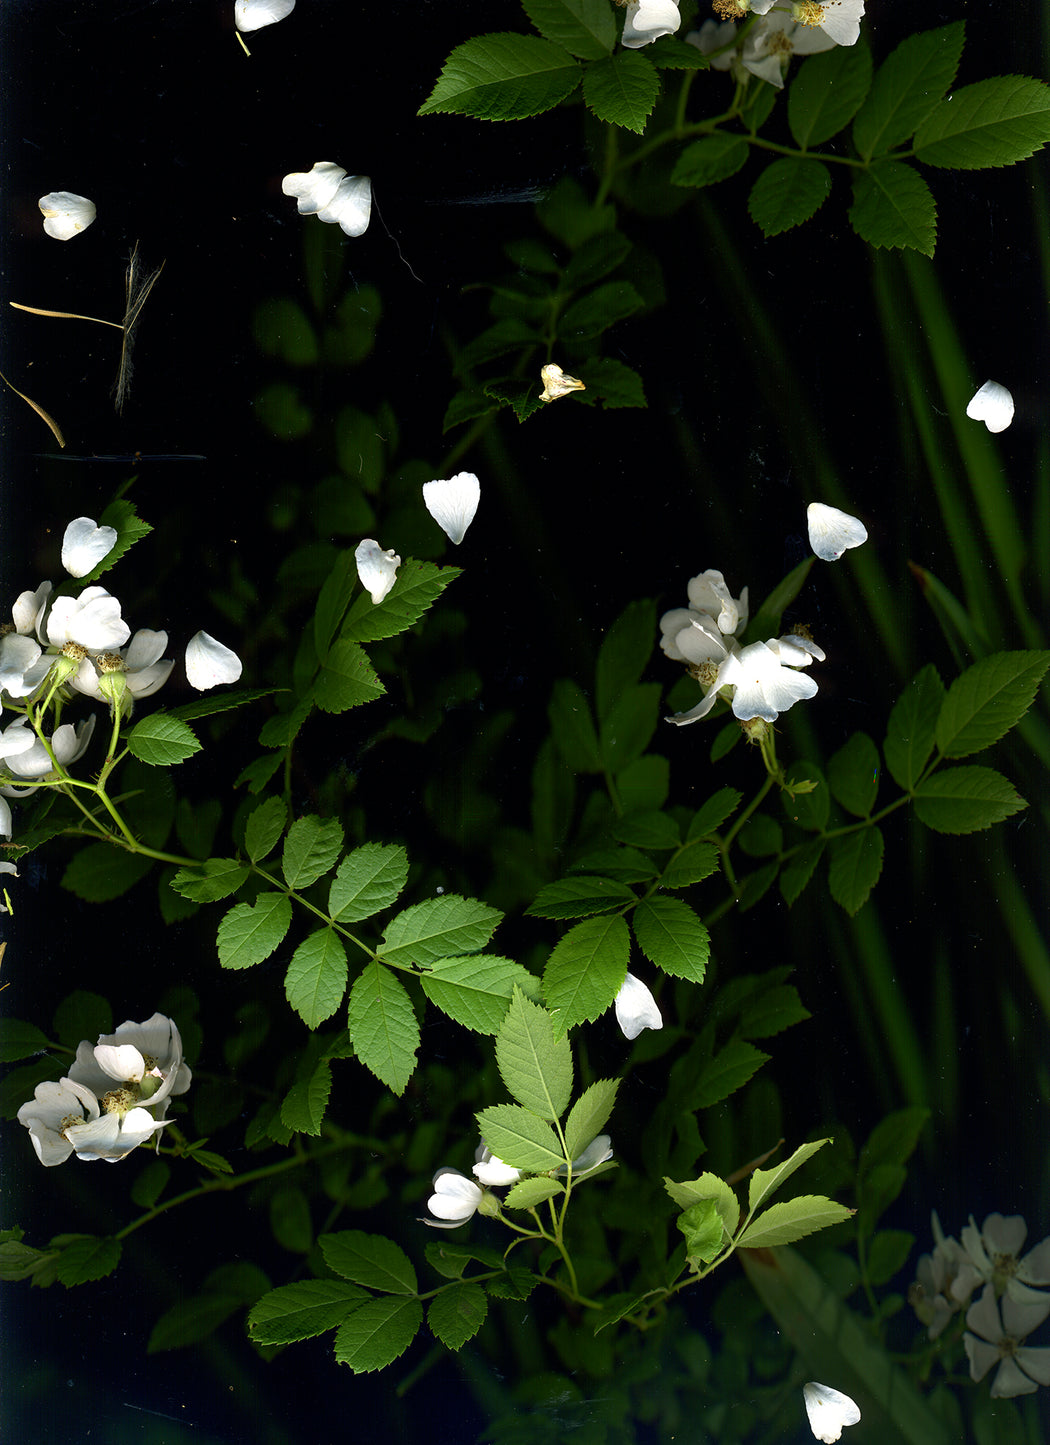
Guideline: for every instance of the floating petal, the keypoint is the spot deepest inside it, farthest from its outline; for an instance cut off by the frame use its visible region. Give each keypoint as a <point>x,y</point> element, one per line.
<point>452,503</point>
<point>66,214</point>
<point>993,405</point>
<point>832,532</point>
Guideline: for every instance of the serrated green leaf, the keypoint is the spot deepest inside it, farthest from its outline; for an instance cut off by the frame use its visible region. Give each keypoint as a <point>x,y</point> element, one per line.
<point>589,1115</point>
<point>788,192</point>
<point>303,1107</point>
<point>99,873</point>
<point>438,928</point>
<point>20,1040</point>
<point>791,1220</point>
<point>855,866</point>
<point>417,588</point>
<point>907,86</point>
<point>302,1311</point>
<point>912,727</point>
<point>216,878</point>
<point>774,1010</point>
<point>310,849</point>
<point>629,725</point>
<point>647,829</point>
<point>476,991</point>
<point>383,1026</point>
<point>580,896</point>
<point>765,1182</point>
<point>702,1226</point>
<point>671,935</point>
<point>585,970</point>
<point>316,979</point>
<point>853,775</point>
<point>192,1320</point>
<point>624,653</point>
<point>535,1066</point>
<point>599,309</point>
<point>729,1070</point>
<point>987,700</point>
<point>686,1193</point>
<point>250,932</point>
<point>966,800</point>
<point>450,1258</point>
<point>594,261</point>
<point>995,122</point>
<point>827,92</point>
<point>621,89</point>
<point>799,869</point>
<point>520,1138</point>
<point>333,600</point>
<point>369,1259</point>
<point>710,817</point>
<point>893,207</point>
<point>162,741</point>
<point>345,678</point>
<point>582,27</point>
<point>614,384</point>
<point>710,160</point>
<point>530,1192</point>
<point>86,1257</point>
<point>626,864</point>
<point>377,1333</point>
<point>456,1315</point>
<point>573,727</point>
<point>368,879</point>
<point>503,77</point>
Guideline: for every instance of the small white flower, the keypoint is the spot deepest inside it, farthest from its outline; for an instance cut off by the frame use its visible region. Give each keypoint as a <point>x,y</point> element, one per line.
<point>993,405</point>
<point>713,609</point>
<point>828,1411</point>
<point>145,1058</point>
<point>454,1200</point>
<point>769,46</point>
<point>452,503</point>
<point>254,14</point>
<point>636,1009</point>
<point>832,532</point>
<point>209,663</point>
<point>327,192</point>
<point>93,620</point>
<point>994,1252</point>
<point>557,382</point>
<point>1023,1368</point>
<point>144,669</point>
<point>648,20</point>
<point>51,1115</point>
<point>84,545</point>
<point>66,214</point>
<point>944,1281</point>
<point>376,569</point>
<point>492,1171</point>
<point>597,1152</point>
<point>714,35</point>
<point>838,19</point>
<point>31,760</point>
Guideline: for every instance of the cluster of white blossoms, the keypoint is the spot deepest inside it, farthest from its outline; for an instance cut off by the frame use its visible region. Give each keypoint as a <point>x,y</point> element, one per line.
<point>55,647</point>
<point>452,503</point>
<point>456,1198</point>
<point>784,28</point>
<point>109,1102</point>
<point>1013,1301</point>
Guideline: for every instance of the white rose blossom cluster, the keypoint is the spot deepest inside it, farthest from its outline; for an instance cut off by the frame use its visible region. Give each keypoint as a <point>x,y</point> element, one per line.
<point>109,1102</point>
<point>1013,1300</point>
<point>456,1198</point>
<point>784,28</point>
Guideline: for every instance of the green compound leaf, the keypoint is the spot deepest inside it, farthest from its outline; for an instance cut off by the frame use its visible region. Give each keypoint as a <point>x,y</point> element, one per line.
<point>503,77</point>
<point>671,935</point>
<point>796,873</point>
<point>598,310</point>
<point>383,1026</point>
<point>907,86</point>
<point>965,800</point>
<point>764,1183</point>
<point>302,1311</point>
<point>456,1315</point>
<point>417,588</point>
<point>987,700</point>
<point>710,817</point>
<point>519,1138</point>
<point>892,206</point>
<point>589,1115</point>
<point>581,897</point>
<point>303,1107</point>
<point>535,1066</point>
<point>476,991</point>
<point>728,1071</point>
<point>530,1192</point>
<point>692,864</point>
<point>702,1226</point>
<point>573,727</point>
<point>629,726</point>
<point>162,741</point>
<point>827,92</point>
<point>582,27</point>
<point>853,775</point>
<point>621,89</point>
<point>912,727</point>
<point>316,979</point>
<point>346,679</point>
<point>264,826</point>
<point>369,1259</point>
<point>713,159</point>
<point>310,849</point>
<point>216,878</point>
<point>794,1219</point>
<point>377,1333</point>
<point>99,873</point>
<point>688,1192</point>
<point>993,123</point>
<point>788,192</point>
<point>438,928</point>
<point>585,971</point>
<point>647,829</point>
<point>624,654</point>
<point>86,1257</point>
<point>251,931</point>
<point>368,879</point>
<point>856,862</point>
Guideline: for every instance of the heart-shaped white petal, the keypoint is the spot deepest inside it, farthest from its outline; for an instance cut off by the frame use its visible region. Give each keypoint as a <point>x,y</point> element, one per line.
<point>209,663</point>
<point>452,503</point>
<point>376,569</point>
<point>831,532</point>
<point>828,1411</point>
<point>351,206</point>
<point>84,545</point>
<point>254,14</point>
<point>66,214</point>
<point>993,405</point>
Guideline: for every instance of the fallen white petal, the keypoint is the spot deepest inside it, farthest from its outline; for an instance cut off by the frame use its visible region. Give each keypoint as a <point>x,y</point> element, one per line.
<point>66,214</point>
<point>254,14</point>
<point>993,405</point>
<point>452,503</point>
<point>376,569</point>
<point>828,1411</point>
<point>557,382</point>
<point>315,188</point>
<point>832,532</point>
<point>209,663</point>
<point>351,206</point>
<point>84,545</point>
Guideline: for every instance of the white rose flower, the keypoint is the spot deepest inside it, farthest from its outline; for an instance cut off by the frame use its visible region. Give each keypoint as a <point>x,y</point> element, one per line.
<point>769,46</point>
<point>994,1252</point>
<point>1022,1368</point>
<point>145,1059</point>
<point>492,1171</point>
<point>25,756</point>
<point>648,20</point>
<point>52,1113</point>
<point>93,620</point>
<point>454,1200</point>
<point>141,664</point>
